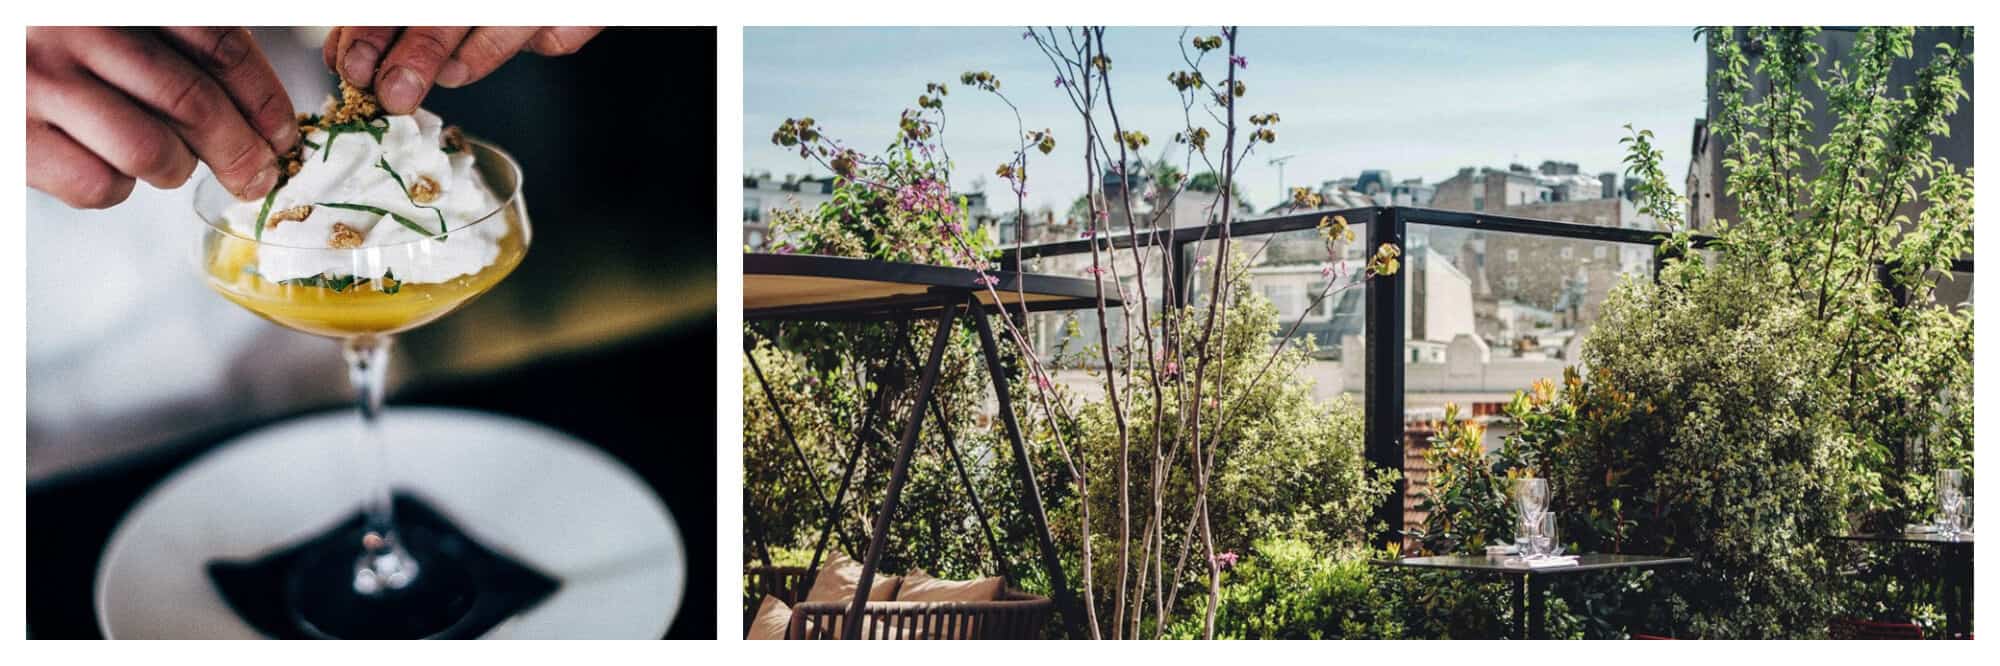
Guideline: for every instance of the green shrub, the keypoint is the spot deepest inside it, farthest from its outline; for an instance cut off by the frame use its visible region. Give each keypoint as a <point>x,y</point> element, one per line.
<point>1285,463</point>
<point>1286,588</point>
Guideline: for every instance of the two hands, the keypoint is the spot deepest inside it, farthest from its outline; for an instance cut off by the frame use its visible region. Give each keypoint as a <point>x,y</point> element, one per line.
<point>108,107</point>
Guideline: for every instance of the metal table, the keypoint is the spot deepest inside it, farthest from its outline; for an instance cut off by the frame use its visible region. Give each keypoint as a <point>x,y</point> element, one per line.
<point>1957,551</point>
<point>817,288</point>
<point>1530,619</point>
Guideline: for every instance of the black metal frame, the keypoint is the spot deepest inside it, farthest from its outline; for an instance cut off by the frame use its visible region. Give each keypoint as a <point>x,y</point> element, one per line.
<point>1384,320</point>
<point>950,292</point>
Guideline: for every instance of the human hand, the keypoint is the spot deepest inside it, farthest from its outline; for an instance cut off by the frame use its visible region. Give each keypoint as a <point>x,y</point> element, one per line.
<point>108,107</point>
<point>417,58</point>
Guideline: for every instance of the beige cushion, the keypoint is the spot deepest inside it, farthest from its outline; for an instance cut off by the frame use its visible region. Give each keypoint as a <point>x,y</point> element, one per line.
<point>920,586</point>
<point>838,578</point>
<point>773,617</point>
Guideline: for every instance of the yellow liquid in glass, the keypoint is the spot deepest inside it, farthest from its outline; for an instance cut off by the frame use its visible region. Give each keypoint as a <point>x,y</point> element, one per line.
<point>362,309</point>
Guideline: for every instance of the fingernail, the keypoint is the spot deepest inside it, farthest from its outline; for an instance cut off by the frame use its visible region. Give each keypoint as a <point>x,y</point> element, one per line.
<point>401,89</point>
<point>262,184</point>
<point>454,74</point>
<point>359,65</point>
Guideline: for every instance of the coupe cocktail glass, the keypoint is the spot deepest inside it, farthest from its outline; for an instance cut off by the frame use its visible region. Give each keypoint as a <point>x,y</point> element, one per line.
<point>379,574</point>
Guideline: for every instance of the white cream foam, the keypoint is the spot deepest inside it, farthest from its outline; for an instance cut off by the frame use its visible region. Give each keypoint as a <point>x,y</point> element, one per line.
<point>347,171</point>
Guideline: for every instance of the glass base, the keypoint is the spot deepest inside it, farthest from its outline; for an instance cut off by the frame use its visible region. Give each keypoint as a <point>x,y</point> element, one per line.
<point>307,590</point>
<point>325,590</point>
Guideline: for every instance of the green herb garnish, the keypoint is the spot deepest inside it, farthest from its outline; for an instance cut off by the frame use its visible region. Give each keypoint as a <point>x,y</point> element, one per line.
<point>265,212</point>
<point>369,126</point>
<point>383,164</point>
<point>309,142</point>
<point>365,208</point>
<point>388,285</point>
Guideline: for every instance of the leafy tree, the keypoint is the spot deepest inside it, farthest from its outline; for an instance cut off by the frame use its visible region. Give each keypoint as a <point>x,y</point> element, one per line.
<point>1208,182</point>
<point>1751,404</point>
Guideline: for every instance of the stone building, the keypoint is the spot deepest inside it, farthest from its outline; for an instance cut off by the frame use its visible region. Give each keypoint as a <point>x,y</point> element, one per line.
<point>1708,154</point>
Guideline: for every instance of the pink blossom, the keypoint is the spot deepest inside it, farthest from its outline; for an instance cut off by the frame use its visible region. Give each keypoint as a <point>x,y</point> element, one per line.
<point>1173,368</point>
<point>987,280</point>
<point>1094,270</point>
<point>1239,61</point>
<point>1225,560</point>
<point>1042,381</point>
<point>1060,82</point>
<point>1087,233</point>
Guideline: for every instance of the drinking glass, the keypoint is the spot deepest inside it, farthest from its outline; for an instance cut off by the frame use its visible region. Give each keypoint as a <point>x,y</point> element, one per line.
<point>378,578</point>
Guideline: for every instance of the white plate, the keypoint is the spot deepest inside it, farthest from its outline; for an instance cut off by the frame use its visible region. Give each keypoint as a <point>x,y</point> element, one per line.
<point>538,495</point>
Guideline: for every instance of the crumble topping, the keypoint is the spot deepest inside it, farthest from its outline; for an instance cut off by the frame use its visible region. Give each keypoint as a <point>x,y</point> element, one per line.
<point>424,191</point>
<point>295,213</point>
<point>344,237</point>
<point>355,104</point>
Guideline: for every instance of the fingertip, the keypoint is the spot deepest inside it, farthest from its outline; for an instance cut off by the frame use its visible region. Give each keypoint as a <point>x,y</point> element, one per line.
<point>175,177</point>
<point>358,64</point>
<point>401,90</point>
<point>102,194</point>
<point>266,179</point>
<point>454,74</point>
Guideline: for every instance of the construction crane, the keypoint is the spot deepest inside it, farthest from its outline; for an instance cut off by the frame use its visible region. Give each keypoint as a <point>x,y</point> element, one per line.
<point>1279,162</point>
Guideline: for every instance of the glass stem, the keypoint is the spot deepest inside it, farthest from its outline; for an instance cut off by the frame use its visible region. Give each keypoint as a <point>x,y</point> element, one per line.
<point>383,564</point>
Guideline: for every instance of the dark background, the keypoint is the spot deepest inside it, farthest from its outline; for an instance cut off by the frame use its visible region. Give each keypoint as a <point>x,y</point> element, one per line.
<point>606,331</point>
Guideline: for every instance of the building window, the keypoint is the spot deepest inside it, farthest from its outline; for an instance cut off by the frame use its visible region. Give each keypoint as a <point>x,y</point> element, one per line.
<point>1513,283</point>
<point>1479,203</point>
<point>1597,252</point>
<point>1568,251</point>
<point>1513,254</point>
<point>1288,299</point>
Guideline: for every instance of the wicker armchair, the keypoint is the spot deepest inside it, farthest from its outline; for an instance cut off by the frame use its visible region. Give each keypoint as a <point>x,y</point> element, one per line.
<point>1016,615</point>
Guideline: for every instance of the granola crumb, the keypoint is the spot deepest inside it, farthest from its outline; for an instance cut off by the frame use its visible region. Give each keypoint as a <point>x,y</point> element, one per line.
<point>293,160</point>
<point>344,237</point>
<point>295,213</point>
<point>424,191</point>
<point>453,139</point>
<point>355,104</point>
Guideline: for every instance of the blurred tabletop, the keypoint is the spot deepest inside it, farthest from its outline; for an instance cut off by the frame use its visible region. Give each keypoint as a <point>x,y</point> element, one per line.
<point>664,432</point>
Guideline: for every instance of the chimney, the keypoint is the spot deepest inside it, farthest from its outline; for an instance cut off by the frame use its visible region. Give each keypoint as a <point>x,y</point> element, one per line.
<point>1496,190</point>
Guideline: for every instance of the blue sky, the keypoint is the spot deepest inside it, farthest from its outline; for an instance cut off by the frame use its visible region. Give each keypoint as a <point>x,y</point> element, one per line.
<point>1421,102</point>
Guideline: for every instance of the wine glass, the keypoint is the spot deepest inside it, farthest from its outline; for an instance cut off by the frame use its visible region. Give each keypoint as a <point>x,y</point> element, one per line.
<point>1531,500</point>
<point>1951,497</point>
<point>1526,524</point>
<point>362,297</point>
<point>1531,494</point>
<point>1548,537</point>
